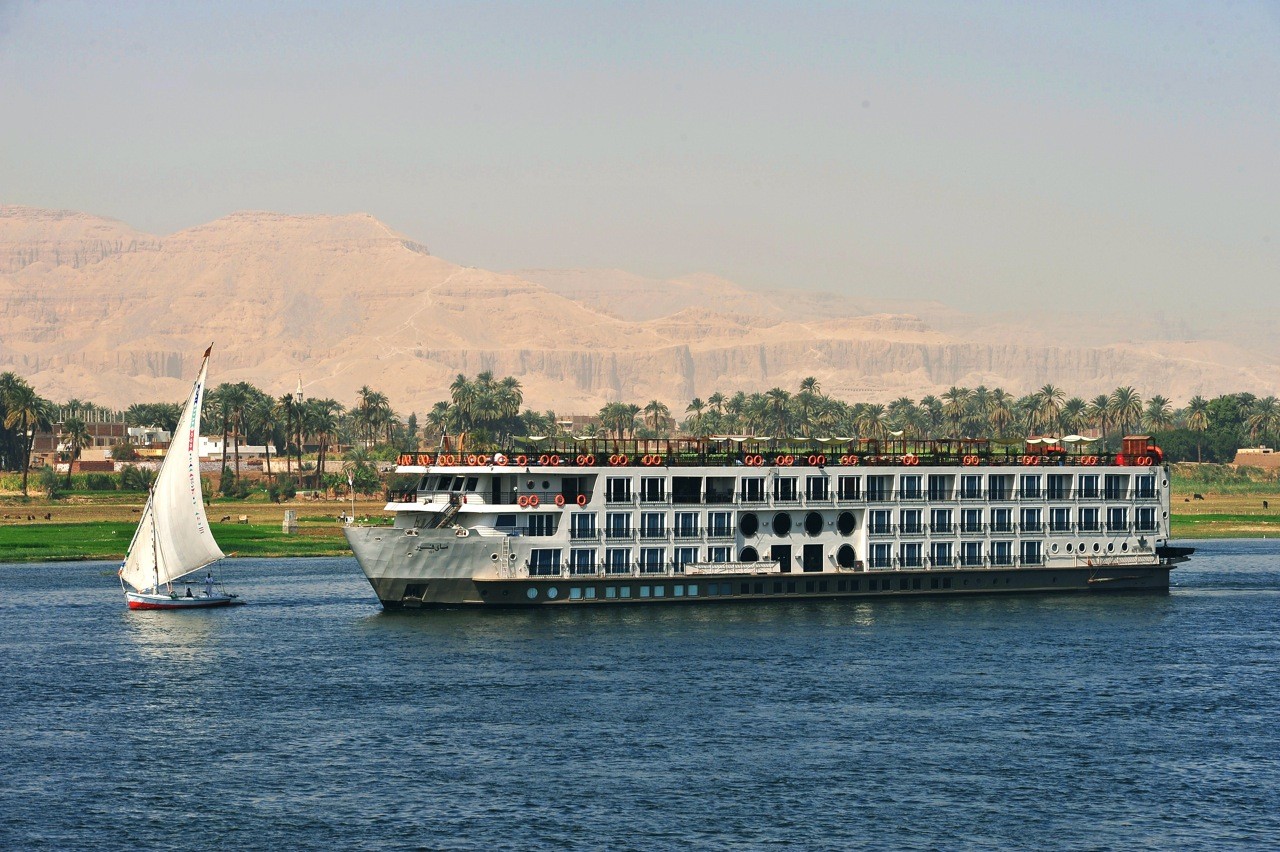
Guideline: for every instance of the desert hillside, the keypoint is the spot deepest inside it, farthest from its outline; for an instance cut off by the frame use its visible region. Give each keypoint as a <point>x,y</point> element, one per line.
<point>91,308</point>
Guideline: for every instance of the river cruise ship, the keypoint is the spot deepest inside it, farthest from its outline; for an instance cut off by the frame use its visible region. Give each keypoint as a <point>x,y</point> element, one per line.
<point>595,522</point>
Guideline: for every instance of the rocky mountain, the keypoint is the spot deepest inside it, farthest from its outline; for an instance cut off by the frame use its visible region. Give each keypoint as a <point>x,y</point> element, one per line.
<point>91,308</point>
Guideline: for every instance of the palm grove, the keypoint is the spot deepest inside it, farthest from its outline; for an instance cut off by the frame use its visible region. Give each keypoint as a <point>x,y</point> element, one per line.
<point>304,433</point>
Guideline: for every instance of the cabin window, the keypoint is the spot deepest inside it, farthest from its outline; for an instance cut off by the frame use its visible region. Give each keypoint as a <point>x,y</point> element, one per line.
<point>618,490</point>
<point>785,489</point>
<point>1031,520</point>
<point>1089,519</point>
<point>850,488</point>
<point>685,556</point>
<point>652,560</point>
<point>1146,519</point>
<point>653,525</point>
<point>753,489</point>
<point>718,554</point>
<point>1115,486</point>
<point>881,556</point>
<point>911,521</point>
<point>940,521</point>
<point>910,555</point>
<point>815,488</point>
<point>971,520</point>
<point>879,488</point>
<point>1117,519</point>
<point>939,487</point>
<point>971,553</point>
<point>618,560</point>
<point>971,487</point>
<point>878,521</point>
<point>582,561</point>
<point>687,524</point>
<point>1002,520</point>
<point>544,561</point>
<point>1059,519</point>
<point>653,489</point>
<point>1030,486</point>
<point>1031,554</point>
<point>1144,486</point>
<point>1059,486</point>
<point>719,524</point>
<point>1001,553</point>
<point>940,554</point>
<point>911,487</point>
<point>618,525</point>
<point>1089,486</point>
<point>582,525</point>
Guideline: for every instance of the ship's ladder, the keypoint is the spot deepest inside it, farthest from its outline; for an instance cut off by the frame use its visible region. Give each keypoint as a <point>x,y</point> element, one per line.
<point>504,556</point>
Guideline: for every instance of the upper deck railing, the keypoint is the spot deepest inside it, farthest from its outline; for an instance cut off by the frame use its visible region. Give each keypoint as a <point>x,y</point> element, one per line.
<point>1136,451</point>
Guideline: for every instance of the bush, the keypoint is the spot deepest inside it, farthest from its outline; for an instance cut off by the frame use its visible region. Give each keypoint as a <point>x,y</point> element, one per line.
<point>134,478</point>
<point>50,482</point>
<point>99,482</point>
<point>124,451</point>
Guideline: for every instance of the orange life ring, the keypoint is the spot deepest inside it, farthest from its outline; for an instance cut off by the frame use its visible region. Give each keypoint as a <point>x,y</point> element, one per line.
<point>471,459</point>
<point>542,459</point>
<point>910,459</point>
<point>405,459</point>
<point>817,460</point>
<point>581,460</point>
<point>555,460</point>
<point>500,460</point>
<point>591,460</point>
<point>522,460</point>
<point>618,460</point>
<point>522,500</point>
<point>560,500</point>
<point>1144,461</point>
<point>533,501</point>
<point>582,499</point>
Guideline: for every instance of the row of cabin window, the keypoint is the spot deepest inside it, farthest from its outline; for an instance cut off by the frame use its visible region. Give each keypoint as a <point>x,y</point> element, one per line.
<point>995,486</point>
<point>1001,520</point>
<point>547,560</point>
<point>942,554</point>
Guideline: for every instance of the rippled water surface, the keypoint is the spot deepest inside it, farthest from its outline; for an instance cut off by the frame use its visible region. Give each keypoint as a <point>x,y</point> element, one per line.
<point>310,719</point>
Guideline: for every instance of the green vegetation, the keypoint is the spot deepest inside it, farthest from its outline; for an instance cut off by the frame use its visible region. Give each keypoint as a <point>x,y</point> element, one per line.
<point>109,540</point>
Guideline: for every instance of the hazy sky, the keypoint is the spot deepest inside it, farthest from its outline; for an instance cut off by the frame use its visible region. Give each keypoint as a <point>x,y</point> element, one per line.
<point>960,151</point>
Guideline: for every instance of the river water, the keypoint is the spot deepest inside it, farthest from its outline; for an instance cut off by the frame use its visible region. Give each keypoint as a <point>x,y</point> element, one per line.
<point>310,719</point>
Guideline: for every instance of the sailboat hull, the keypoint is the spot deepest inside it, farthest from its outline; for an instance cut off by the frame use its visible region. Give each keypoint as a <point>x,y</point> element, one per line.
<point>138,600</point>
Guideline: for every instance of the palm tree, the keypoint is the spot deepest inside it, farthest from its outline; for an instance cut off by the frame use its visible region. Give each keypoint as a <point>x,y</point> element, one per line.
<point>776,411</point>
<point>321,419</point>
<point>1001,411</point>
<point>26,413</point>
<point>696,409</point>
<point>1125,408</point>
<point>75,436</point>
<point>1264,418</point>
<point>656,414</point>
<point>931,406</point>
<point>1159,415</point>
<point>1100,413</point>
<point>955,405</point>
<point>1074,415</point>
<point>1198,420</point>
<point>1048,407</point>
<point>870,421</point>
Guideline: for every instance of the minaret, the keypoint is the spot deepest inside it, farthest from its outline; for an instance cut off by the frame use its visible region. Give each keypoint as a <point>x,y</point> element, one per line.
<point>297,395</point>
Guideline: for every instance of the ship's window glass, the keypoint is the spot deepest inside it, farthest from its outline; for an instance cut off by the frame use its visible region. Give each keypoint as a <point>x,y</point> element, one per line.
<point>912,521</point>
<point>781,524</point>
<point>846,523</point>
<point>575,594</point>
<point>846,557</point>
<point>1030,486</point>
<point>910,555</point>
<point>971,520</point>
<point>1059,486</point>
<point>505,521</point>
<point>591,594</point>
<point>582,525</point>
<point>881,555</point>
<point>815,488</point>
<point>687,524</point>
<point>813,523</point>
<point>744,588</point>
<point>971,553</point>
<point>753,489</point>
<point>582,561</point>
<point>719,523</point>
<point>1001,553</point>
<point>939,487</point>
<point>544,560</point>
<point>653,525</point>
<point>878,521</point>
<point>785,489</point>
<point>693,591</point>
<point>456,485</point>
<point>749,524</point>
<point>1089,485</point>
<point>879,488</point>
<point>610,591</point>
<point>1144,486</point>
<point>644,591</point>
<point>532,593</point>
<point>541,525</point>
<point>946,582</point>
<point>1002,520</point>
<point>998,486</point>
<point>677,591</point>
<point>471,482</point>
<point>749,554</point>
<point>618,490</point>
<point>718,554</point>
<point>1031,554</point>
<point>911,487</point>
<point>940,521</point>
<point>1060,519</point>
<point>1089,519</point>
<point>1115,486</point>
<point>940,554</point>
<point>618,524</point>
<point>653,489</point>
<point>1146,520</point>
<point>652,559</point>
<point>758,588</point>
<point>1031,520</point>
<point>618,560</point>
<point>685,556</point>
<point>850,488</point>
<point>1117,519</point>
<point>971,487</point>
<point>659,591</point>
<point>624,592</point>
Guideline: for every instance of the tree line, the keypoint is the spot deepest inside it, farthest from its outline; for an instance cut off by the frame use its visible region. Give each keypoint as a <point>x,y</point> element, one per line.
<point>488,410</point>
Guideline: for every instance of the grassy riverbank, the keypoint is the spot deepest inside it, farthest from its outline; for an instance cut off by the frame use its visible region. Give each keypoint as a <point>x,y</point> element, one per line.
<point>101,526</point>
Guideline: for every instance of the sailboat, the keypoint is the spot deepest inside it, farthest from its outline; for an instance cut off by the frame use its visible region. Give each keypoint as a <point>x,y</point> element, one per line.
<point>173,538</point>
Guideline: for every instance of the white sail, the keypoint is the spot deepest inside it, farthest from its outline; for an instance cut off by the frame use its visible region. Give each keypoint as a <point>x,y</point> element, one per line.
<point>173,537</point>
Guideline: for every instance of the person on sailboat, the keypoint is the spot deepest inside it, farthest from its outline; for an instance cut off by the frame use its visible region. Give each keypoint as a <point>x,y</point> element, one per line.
<point>208,584</point>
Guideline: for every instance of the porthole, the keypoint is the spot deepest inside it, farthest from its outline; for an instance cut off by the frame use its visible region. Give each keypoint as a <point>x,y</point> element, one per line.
<point>846,557</point>
<point>1068,547</point>
<point>749,524</point>
<point>493,556</point>
<point>545,485</point>
<point>532,593</point>
<point>1096,548</point>
<point>845,523</point>
<point>1054,548</point>
<point>1111,547</point>
<point>748,554</point>
<point>813,523</point>
<point>1125,547</point>
<point>529,484</point>
<point>781,523</point>
<point>553,593</point>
